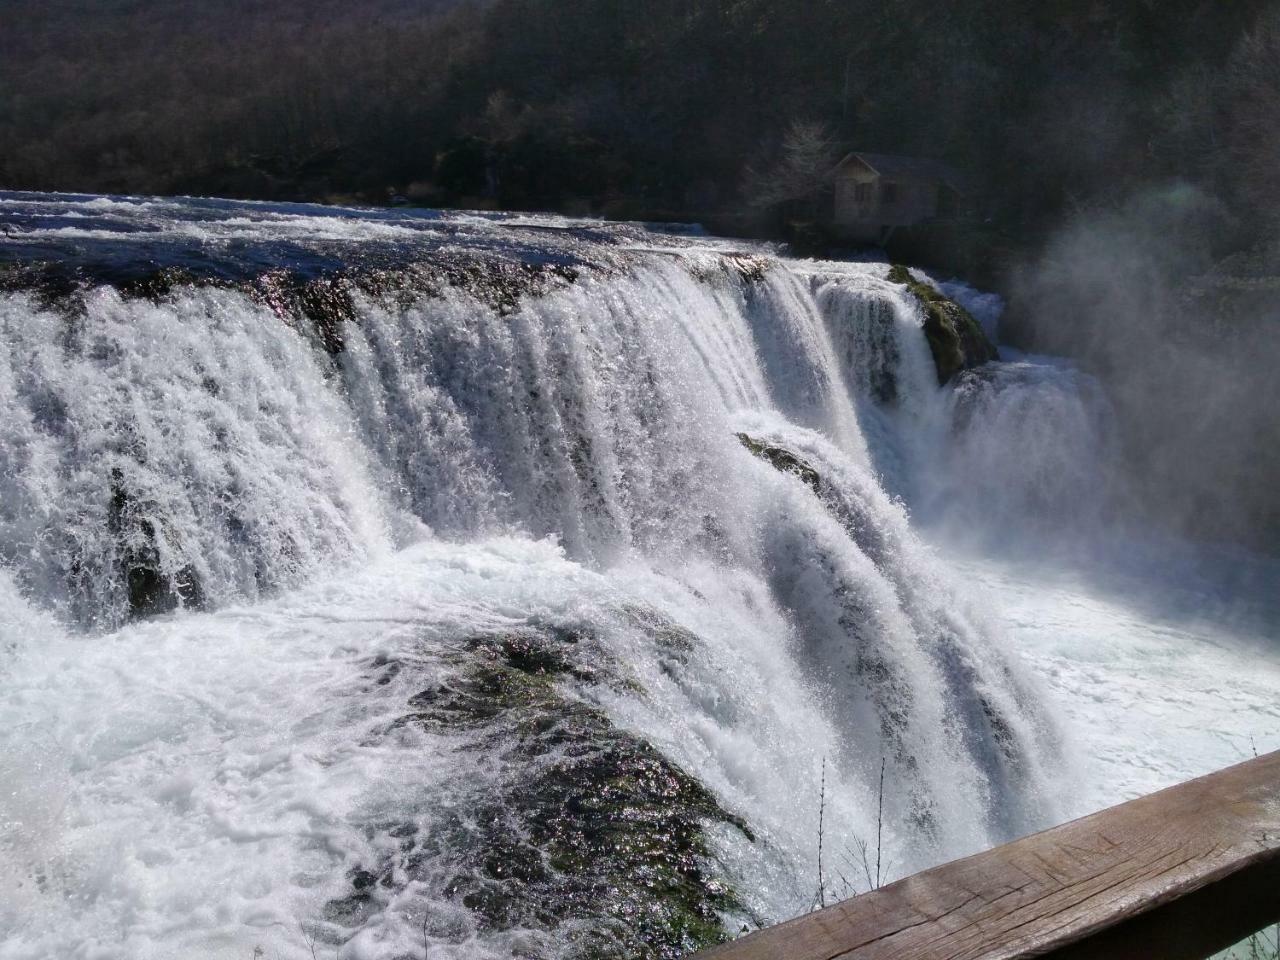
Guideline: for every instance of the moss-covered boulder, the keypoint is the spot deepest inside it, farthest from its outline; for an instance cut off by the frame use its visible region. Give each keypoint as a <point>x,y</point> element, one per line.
<point>784,460</point>
<point>584,833</point>
<point>956,339</point>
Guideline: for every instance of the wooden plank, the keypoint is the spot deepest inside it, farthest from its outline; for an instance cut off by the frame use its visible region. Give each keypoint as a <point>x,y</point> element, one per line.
<point>1176,875</point>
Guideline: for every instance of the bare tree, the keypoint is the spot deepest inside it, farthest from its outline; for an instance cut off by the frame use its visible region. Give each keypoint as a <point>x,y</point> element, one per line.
<point>803,170</point>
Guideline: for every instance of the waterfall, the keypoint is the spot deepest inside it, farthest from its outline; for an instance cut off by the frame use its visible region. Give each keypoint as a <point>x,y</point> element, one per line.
<point>200,430</point>
<point>1028,446</point>
<point>342,606</point>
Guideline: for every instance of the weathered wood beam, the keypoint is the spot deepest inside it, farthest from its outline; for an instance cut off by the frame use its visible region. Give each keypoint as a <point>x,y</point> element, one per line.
<point>1177,875</point>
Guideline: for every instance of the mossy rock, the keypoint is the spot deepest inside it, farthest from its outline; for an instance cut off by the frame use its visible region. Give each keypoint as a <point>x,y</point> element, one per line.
<point>669,637</point>
<point>855,514</point>
<point>956,339</point>
<point>587,832</point>
<point>784,460</point>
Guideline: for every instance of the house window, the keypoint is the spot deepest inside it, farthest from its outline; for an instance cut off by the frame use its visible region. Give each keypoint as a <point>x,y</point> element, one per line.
<point>862,192</point>
<point>889,192</point>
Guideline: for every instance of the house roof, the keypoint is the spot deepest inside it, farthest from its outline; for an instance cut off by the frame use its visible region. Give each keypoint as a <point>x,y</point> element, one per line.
<point>919,168</point>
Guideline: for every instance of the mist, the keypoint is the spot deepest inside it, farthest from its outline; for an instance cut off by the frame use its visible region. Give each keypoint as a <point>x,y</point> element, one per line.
<point>1183,340</point>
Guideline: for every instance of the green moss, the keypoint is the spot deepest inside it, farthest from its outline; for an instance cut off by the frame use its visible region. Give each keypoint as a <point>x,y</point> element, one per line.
<point>588,830</point>
<point>784,460</point>
<point>545,651</point>
<point>669,636</point>
<point>956,339</point>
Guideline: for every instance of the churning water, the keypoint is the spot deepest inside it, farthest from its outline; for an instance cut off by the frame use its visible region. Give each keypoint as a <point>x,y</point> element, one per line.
<point>392,584</point>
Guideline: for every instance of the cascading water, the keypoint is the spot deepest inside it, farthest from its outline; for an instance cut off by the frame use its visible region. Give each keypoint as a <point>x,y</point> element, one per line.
<point>200,430</point>
<point>499,586</point>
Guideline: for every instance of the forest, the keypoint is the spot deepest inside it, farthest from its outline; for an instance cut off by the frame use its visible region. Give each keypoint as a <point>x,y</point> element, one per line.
<point>656,108</point>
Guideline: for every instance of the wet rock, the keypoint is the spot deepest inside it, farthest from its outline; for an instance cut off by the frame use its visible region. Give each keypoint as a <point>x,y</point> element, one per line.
<point>589,833</point>
<point>535,652</point>
<point>608,831</point>
<point>784,460</point>
<point>671,638</point>
<point>316,292</point>
<point>324,304</point>
<point>751,269</point>
<point>955,338</point>
<point>151,586</point>
<point>854,514</point>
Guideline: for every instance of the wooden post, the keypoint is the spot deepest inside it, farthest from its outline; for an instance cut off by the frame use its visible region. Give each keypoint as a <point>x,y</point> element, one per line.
<point>1177,875</point>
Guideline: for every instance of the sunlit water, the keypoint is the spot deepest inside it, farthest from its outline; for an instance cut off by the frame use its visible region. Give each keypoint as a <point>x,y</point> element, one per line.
<point>1147,696</point>
<point>518,430</point>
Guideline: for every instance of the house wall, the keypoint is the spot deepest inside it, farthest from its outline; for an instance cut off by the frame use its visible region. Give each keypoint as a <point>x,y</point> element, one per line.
<point>848,209</point>
<point>913,200</point>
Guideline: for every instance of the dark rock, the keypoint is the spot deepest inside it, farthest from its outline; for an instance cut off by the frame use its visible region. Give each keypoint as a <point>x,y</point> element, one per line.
<point>750,268</point>
<point>956,339</point>
<point>784,460</point>
<point>589,832</point>
<point>150,589</point>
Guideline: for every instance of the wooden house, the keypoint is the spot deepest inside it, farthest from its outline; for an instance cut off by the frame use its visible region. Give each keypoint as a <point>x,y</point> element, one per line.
<point>876,192</point>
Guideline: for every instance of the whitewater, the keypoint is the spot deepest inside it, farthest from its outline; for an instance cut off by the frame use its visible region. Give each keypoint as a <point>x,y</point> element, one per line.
<point>387,584</point>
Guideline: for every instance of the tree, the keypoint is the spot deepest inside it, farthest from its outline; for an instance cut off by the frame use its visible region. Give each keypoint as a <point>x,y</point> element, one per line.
<point>802,172</point>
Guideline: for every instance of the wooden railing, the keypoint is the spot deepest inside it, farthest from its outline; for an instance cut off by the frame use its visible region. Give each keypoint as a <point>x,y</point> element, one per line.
<point>1177,875</point>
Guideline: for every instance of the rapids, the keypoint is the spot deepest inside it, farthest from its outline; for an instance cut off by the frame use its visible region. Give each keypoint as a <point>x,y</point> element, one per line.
<point>391,583</point>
